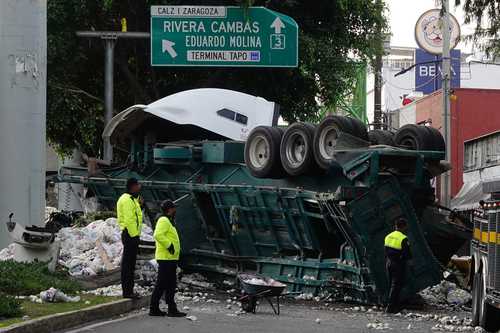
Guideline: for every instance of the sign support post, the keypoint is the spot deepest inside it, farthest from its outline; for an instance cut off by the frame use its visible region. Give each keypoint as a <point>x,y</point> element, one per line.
<point>110,38</point>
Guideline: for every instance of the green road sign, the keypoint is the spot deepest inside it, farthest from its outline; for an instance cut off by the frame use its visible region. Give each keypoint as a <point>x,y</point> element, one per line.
<point>222,36</point>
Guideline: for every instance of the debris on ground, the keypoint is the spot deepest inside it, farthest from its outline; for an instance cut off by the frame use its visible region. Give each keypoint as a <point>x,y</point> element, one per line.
<point>446,293</point>
<point>49,210</point>
<point>305,296</point>
<point>256,281</point>
<point>453,328</point>
<point>95,248</point>
<point>228,283</point>
<point>147,270</point>
<point>378,326</point>
<point>116,290</point>
<point>7,253</point>
<point>197,280</point>
<point>53,295</point>
<point>192,318</point>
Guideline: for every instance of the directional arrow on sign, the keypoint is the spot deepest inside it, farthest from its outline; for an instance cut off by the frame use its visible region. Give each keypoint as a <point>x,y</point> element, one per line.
<point>168,46</point>
<point>277,25</point>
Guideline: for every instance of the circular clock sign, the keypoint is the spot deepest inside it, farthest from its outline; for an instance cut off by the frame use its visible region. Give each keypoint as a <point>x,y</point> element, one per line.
<point>428,31</point>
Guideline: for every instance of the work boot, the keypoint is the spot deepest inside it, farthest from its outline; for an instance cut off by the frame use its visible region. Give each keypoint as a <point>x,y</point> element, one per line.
<point>391,309</point>
<point>174,312</point>
<point>157,313</point>
<point>132,296</point>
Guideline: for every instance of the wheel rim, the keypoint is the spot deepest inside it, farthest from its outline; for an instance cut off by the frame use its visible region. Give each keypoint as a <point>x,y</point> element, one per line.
<point>296,149</point>
<point>327,141</point>
<point>259,152</point>
<point>408,143</point>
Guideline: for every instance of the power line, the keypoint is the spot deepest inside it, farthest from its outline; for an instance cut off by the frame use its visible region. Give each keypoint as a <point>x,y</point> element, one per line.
<point>414,88</point>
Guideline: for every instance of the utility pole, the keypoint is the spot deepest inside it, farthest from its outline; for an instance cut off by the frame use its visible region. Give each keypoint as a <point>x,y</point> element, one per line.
<point>377,91</point>
<point>446,75</point>
<point>23,91</point>
<point>110,38</point>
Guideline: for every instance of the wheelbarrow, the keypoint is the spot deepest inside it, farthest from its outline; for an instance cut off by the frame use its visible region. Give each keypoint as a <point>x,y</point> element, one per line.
<point>255,287</point>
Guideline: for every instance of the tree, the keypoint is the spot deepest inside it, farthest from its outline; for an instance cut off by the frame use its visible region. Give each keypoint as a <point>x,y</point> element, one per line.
<point>334,37</point>
<point>486,15</point>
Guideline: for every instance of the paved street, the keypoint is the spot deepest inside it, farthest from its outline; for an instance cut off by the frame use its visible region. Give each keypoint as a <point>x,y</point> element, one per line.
<point>294,318</point>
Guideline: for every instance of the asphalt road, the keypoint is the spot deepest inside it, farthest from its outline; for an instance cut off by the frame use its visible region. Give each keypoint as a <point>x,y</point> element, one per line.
<point>212,318</point>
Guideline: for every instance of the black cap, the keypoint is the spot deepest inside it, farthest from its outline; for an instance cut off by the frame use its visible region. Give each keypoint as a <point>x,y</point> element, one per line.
<point>131,181</point>
<point>167,204</point>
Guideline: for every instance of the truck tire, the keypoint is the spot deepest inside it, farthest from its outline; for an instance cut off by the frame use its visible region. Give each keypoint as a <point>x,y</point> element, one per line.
<point>359,128</point>
<point>414,137</point>
<point>490,320</point>
<point>381,137</point>
<point>438,143</point>
<point>476,299</point>
<point>262,152</point>
<point>326,136</point>
<point>296,150</point>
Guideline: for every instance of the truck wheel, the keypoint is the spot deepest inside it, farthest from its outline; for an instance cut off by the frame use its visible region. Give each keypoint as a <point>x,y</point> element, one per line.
<point>490,320</point>
<point>326,137</point>
<point>262,152</point>
<point>381,137</point>
<point>359,128</point>
<point>476,299</point>
<point>438,143</point>
<point>414,137</point>
<point>296,151</point>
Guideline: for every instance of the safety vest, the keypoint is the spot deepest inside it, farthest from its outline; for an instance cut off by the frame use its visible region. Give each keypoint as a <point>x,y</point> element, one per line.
<point>129,214</point>
<point>166,235</point>
<point>395,240</point>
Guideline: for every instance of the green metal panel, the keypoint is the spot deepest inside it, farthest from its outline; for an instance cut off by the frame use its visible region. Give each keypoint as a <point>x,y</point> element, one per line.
<point>172,154</point>
<point>223,152</point>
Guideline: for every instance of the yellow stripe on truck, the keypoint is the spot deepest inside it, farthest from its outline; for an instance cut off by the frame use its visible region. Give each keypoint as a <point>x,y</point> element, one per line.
<point>487,237</point>
<point>477,234</point>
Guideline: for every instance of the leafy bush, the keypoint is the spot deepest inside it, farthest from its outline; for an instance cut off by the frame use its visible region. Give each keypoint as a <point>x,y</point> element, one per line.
<point>9,307</point>
<point>32,278</point>
<point>85,220</point>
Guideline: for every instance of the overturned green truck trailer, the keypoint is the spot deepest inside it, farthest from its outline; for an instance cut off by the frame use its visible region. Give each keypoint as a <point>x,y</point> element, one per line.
<point>318,233</point>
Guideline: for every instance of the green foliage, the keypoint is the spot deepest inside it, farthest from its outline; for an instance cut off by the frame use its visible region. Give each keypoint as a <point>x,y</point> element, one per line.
<point>9,307</point>
<point>91,217</point>
<point>36,310</point>
<point>486,15</point>
<point>32,278</point>
<point>334,36</point>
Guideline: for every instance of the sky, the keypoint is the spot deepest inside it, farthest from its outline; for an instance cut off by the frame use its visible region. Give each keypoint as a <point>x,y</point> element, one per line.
<point>404,13</point>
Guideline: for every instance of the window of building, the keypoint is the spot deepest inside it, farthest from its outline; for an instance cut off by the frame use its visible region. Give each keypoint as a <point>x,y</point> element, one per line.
<point>482,152</point>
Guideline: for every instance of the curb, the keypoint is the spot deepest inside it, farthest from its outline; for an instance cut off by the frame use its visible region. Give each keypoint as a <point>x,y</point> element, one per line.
<point>62,321</point>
